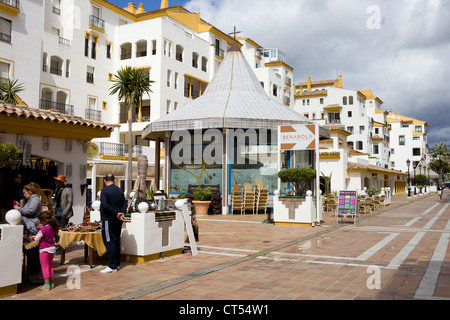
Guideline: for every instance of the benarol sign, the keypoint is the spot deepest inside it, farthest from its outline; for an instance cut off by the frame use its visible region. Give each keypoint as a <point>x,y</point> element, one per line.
<point>297,137</point>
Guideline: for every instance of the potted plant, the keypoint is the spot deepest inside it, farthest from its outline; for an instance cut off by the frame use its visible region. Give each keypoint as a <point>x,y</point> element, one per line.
<point>299,178</point>
<point>202,200</point>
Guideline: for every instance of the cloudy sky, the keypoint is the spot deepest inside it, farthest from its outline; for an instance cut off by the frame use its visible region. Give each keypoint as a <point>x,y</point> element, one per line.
<point>398,49</point>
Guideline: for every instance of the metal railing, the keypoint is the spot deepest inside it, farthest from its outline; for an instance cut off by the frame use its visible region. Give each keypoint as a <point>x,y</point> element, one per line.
<point>119,150</point>
<point>12,3</point>
<point>220,52</point>
<point>92,114</point>
<point>5,37</point>
<point>59,106</point>
<point>90,77</point>
<point>97,22</point>
<point>64,41</point>
<point>56,71</point>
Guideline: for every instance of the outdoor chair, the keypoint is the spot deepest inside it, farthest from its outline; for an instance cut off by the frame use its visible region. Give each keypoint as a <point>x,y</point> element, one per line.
<point>261,196</point>
<point>236,198</point>
<point>248,202</point>
<point>332,206</point>
<point>369,205</point>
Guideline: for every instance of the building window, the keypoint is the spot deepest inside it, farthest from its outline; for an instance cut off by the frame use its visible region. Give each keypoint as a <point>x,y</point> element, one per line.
<point>416,138</point>
<point>401,140</point>
<point>418,128</point>
<point>350,100</point>
<point>376,149</point>
<point>5,30</point>
<point>306,115</point>
<point>359,145</point>
<point>108,50</point>
<point>350,129</point>
<point>416,152</point>
<point>321,101</point>
<point>362,129</point>
<point>90,75</point>
<point>350,114</point>
<point>377,131</point>
<point>344,101</point>
<point>86,47</point>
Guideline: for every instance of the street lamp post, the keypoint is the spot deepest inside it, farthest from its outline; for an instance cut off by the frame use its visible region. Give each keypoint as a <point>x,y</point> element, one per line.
<point>420,170</point>
<point>415,191</point>
<point>408,163</point>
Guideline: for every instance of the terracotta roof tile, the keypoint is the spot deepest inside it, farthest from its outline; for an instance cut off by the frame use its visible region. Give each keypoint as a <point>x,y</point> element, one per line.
<point>50,115</point>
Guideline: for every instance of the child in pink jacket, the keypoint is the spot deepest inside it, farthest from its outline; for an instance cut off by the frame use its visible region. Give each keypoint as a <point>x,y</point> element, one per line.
<point>45,236</point>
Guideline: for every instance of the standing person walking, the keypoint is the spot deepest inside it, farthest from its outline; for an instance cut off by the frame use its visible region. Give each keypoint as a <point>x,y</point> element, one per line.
<point>440,190</point>
<point>63,201</point>
<point>112,210</point>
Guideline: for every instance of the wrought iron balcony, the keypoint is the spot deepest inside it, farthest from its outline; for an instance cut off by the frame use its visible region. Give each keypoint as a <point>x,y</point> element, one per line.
<point>220,52</point>
<point>60,107</point>
<point>92,114</point>
<point>12,3</point>
<point>5,37</point>
<point>96,22</point>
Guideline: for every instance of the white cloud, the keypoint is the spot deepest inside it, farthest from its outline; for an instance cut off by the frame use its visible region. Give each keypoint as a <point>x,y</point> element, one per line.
<point>404,62</point>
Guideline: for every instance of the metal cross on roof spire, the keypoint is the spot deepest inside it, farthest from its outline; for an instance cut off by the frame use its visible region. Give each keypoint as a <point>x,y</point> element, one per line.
<point>235,33</point>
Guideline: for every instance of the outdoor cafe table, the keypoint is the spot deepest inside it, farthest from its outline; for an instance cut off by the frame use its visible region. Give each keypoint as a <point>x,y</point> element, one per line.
<point>92,241</point>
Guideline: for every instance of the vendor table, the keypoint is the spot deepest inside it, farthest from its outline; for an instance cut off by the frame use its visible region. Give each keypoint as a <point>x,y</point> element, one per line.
<point>92,240</point>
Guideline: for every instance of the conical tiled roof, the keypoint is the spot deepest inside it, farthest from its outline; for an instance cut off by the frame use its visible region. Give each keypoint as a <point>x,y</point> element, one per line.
<point>233,99</point>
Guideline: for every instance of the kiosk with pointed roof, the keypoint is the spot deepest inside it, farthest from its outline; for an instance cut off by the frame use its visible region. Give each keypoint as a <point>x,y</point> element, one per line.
<point>228,135</point>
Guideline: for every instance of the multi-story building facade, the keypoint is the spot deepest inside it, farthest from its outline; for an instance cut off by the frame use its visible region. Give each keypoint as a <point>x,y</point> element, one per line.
<point>358,112</point>
<point>408,142</point>
<point>66,53</point>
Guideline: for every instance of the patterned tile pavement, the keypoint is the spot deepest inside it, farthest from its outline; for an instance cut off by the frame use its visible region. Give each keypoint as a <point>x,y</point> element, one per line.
<point>400,252</point>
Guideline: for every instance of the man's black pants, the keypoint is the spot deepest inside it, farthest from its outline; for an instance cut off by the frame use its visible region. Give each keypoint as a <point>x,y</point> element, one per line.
<point>111,231</point>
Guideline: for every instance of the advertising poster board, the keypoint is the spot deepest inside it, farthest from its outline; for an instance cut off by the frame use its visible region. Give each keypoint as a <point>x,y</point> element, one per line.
<point>348,204</point>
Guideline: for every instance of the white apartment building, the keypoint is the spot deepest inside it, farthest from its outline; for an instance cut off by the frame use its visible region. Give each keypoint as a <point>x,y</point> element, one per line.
<point>271,68</point>
<point>66,53</point>
<point>408,142</point>
<point>328,103</point>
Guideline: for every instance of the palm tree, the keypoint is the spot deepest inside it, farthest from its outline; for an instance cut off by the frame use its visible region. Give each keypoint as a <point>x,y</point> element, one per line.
<point>440,151</point>
<point>130,84</point>
<point>9,89</point>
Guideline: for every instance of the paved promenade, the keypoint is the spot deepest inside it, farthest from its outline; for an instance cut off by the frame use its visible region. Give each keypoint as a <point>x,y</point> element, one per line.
<point>400,252</point>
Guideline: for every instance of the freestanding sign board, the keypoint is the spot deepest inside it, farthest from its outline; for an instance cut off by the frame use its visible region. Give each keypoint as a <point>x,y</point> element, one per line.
<point>348,204</point>
<point>298,138</point>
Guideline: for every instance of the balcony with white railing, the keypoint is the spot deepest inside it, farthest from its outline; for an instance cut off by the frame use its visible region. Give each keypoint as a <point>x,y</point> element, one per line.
<point>119,150</point>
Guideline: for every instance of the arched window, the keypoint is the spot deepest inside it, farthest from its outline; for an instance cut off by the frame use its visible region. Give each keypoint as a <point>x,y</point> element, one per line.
<point>344,101</point>
<point>195,57</point>
<point>204,64</point>
<point>125,51</point>
<point>44,62</point>
<point>179,53</point>
<point>56,64</point>
<point>141,48</point>
<point>350,100</point>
